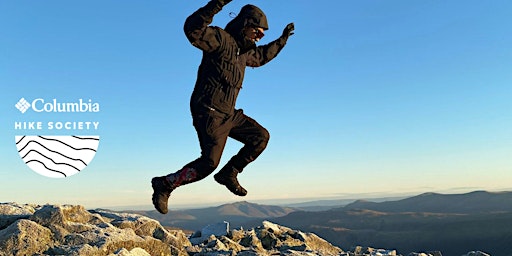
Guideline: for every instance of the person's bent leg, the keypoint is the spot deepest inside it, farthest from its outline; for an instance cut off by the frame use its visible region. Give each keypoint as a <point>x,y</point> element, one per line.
<point>212,139</point>
<point>164,185</point>
<point>255,138</point>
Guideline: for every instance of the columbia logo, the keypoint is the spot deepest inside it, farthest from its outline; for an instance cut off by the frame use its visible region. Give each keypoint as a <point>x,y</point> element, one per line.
<point>22,105</point>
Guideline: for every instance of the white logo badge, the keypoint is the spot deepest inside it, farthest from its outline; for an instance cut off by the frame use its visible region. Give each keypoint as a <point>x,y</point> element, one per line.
<point>57,156</point>
<point>62,155</point>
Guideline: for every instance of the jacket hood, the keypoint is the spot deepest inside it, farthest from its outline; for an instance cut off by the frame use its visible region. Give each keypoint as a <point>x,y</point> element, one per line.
<point>250,15</point>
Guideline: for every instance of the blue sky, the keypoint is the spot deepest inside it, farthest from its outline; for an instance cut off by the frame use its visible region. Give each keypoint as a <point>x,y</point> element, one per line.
<point>369,98</point>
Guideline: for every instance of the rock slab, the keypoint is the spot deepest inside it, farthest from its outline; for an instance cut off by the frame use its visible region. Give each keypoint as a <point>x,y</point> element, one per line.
<point>73,230</point>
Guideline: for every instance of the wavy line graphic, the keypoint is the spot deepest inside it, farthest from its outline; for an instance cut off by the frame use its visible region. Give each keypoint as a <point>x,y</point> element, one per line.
<point>41,145</point>
<point>64,143</point>
<point>85,138</point>
<point>39,155</point>
<point>57,156</point>
<point>45,167</point>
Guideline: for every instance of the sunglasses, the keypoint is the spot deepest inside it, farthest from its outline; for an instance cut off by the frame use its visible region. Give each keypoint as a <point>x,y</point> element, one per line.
<point>259,33</point>
<point>256,33</point>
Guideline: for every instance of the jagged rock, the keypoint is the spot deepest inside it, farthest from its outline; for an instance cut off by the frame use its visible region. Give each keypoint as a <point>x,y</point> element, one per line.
<point>10,212</point>
<point>250,239</point>
<point>369,251</point>
<point>134,252</point>
<point>215,244</point>
<point>248,253</point>
<point>434,253</point>
<point>65,220</point>
<point>237,234</point>
<point>287,239</point>
<point>269,239</point>
<point>476,253</point>
<point>24,237</point>
<point>301,253</point>
<point>72,230</point>
<point>217,229</point>
<point>232,245</point>
<point>17,209</point>
<point>145,227</point>
<point>83,249</point>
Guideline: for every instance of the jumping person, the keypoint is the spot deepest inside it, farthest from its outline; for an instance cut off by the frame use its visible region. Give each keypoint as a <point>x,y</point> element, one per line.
<point>226,53</point>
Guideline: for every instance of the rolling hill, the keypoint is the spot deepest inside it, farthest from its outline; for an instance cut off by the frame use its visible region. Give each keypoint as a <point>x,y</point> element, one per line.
<point>236,214</point>
<point>453,224</point>
<point>473,202</point>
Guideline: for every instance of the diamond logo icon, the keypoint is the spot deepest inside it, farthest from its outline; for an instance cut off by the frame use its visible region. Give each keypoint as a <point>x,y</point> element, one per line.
<point>22,105</point>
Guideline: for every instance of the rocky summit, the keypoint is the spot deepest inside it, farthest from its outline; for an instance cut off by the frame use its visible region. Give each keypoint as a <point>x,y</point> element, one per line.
<point>72,230</point>
<point>268,239</point>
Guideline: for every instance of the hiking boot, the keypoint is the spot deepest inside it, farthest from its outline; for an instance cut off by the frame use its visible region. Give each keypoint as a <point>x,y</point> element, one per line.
<point>164,185</point>
<point>161,191</point>
<point>228,178</point>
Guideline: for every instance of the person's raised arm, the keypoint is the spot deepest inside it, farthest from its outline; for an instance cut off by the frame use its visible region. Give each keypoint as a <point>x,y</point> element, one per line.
<point>197,27</point>
<point>265,53</point>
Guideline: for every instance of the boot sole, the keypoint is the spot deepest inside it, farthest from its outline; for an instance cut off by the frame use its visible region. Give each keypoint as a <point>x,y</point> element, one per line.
<point>155,186</point>
<point>239,191</point>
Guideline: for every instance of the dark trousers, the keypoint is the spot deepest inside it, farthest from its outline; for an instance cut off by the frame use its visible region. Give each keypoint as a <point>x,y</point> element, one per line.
<point>214,128</point>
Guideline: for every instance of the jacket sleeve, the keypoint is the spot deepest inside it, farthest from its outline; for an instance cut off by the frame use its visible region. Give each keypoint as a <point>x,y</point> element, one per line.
<point>265,53</point>
<point>197,28</point>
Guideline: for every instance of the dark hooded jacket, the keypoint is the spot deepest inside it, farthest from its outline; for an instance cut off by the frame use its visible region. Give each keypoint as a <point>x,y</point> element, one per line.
<point>226,53</point>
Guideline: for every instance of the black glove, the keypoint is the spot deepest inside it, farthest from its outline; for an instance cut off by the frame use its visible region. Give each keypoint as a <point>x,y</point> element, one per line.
<point>288,30</point>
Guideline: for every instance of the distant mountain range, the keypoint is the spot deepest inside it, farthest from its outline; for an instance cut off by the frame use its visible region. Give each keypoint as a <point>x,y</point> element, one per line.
<point>236,214</point>
<point>452,223</point>
<point>327,204</point>
<point>473,202</point>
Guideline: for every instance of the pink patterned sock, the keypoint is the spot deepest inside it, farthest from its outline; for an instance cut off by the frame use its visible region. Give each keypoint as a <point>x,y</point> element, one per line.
<point>182,177</point>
